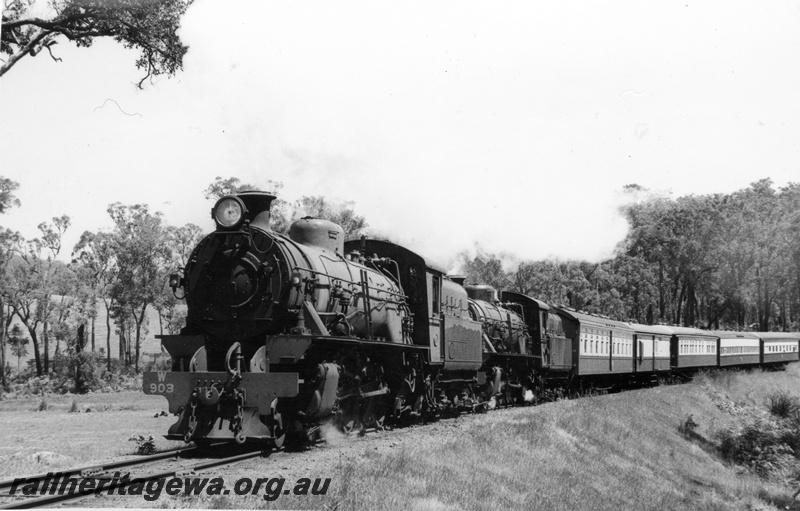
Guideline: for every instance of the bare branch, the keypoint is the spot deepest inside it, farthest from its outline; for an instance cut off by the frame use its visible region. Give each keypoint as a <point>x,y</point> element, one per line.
<point>50,50</point>
<point>27,49</point>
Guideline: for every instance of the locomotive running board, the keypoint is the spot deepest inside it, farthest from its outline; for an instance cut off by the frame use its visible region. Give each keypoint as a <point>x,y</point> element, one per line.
<point>288,349</point>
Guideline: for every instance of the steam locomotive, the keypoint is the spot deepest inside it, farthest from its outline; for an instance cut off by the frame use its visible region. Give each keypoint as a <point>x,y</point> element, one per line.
<point>285,333</point>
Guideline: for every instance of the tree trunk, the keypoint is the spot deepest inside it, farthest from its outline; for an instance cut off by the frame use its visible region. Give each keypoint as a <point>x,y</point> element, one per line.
<point>46,350</point>
<point>690,305</point>
<point>108,335</point>
<point>661,310</point>
<point>784,313</point>
<point>767,307</point>
<point>759,314</point>
<point>3,344</point>
<point>93,321</point>
<point>79,359</point>
<point>55,355</point>
<point>122,351</point>
<point>138,346</point>
<point>36,354</point>
<point>139,322</point>
<point>127,329</point>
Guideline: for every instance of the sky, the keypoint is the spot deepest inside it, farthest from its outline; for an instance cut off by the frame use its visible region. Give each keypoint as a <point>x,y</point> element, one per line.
<point>511,125</point>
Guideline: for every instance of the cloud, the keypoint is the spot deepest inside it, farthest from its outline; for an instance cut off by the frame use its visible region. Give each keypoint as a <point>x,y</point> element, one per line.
<point>442,133</point>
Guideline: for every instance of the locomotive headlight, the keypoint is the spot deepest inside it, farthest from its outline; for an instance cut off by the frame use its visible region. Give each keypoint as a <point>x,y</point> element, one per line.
<point>228,212</point>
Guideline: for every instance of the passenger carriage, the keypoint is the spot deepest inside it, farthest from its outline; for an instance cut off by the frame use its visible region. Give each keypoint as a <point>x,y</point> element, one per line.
<point>738,348</point>
<point>691,347</point>
<point>779,347</point>
<point>651,351</point>
<point>600,346</point>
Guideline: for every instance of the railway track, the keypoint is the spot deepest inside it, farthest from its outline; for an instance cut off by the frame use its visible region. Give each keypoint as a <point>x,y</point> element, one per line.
<point>110,473</point>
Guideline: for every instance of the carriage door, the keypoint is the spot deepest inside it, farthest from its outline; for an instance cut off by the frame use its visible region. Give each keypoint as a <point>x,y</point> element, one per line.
<point>435,321</point>
<point>641,349</point>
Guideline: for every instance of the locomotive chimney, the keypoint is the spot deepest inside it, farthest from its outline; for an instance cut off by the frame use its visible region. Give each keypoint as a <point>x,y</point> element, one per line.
<point>258,207</point>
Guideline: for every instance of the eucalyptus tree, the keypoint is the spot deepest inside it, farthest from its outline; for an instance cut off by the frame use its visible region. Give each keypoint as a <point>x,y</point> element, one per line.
<point>142,254</point>
<point>34,277</point>
<point>149,26</point>
<point>8,241</point>
<point>96,257</point>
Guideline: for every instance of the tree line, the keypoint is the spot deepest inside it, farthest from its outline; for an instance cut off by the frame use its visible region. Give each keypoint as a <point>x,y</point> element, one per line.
<point>717,261</point>
<point>123,271</point>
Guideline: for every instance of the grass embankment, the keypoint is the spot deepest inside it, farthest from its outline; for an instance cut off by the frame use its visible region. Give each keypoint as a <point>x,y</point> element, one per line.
<point>620,451</point>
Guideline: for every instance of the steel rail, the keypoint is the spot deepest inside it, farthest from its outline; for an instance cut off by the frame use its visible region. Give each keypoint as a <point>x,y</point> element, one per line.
<point>50,500</point>
<point>85,471</point>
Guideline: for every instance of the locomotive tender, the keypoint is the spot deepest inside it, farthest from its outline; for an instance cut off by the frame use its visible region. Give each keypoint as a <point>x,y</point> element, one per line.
<point>285,333</point>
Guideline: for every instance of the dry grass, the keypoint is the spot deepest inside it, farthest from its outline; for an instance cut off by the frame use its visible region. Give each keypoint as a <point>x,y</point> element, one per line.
<point>70,438</point>
<point>608,452</point>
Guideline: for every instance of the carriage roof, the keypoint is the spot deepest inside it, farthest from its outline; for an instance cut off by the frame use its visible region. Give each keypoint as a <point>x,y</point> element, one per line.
<point>592,320</point>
